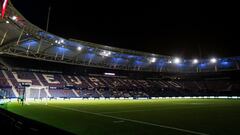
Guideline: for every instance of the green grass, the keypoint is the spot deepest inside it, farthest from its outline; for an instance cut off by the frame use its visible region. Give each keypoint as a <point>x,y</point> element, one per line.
<point>137,117</point>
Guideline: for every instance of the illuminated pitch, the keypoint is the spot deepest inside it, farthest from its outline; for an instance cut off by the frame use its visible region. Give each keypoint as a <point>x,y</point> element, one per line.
<point>144,117</point>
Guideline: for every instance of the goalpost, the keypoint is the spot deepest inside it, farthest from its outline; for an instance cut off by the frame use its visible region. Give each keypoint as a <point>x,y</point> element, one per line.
<point>36,93</point>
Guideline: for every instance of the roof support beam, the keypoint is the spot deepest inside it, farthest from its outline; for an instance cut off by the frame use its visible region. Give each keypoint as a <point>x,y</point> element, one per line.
<point>3,39</point>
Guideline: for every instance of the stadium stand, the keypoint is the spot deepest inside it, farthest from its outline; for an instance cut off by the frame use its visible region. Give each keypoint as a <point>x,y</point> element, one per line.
<point>86,86</point>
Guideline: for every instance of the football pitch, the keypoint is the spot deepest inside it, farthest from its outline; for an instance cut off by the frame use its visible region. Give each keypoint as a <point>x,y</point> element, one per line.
<point>137,117</point>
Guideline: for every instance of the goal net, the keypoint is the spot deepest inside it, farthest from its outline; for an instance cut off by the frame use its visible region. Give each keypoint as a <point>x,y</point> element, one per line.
<point>4,98</point>
<point>38,93</point>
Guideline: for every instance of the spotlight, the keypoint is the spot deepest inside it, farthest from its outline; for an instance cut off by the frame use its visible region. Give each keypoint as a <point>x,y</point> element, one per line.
<point>79,48</point>
<point>14,18</point>
<point>177,61</point>
<point>62,41</point>
<point>195,61</point>
<point>153,60</point>
<point>213,60</point>
<point>105,53</point>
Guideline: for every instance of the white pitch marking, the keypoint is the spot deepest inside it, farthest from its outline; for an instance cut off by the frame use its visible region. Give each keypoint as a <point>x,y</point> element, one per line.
<point>134,121</point>
<point>126,111</point>
<point>118,121</point>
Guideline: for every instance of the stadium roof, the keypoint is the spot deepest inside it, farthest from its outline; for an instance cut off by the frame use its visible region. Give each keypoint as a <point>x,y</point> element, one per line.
<point>19,37</point>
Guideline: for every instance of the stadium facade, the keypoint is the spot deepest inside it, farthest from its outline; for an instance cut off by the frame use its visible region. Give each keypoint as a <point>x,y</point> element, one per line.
<point>75,68</point>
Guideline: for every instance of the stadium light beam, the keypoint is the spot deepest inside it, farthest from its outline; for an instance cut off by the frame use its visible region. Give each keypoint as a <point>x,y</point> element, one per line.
<point>105,53</point>
<point>153,60</point>
<point>109,74</point>
<point>62,41</point>
<point>195,61</point>
<point>177,61</point>
<point>14,18</point>
<point>79,48</point>
<point>213,60</point>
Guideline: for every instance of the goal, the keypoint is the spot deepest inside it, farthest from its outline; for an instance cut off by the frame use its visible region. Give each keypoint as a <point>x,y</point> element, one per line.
<point>36,93</point>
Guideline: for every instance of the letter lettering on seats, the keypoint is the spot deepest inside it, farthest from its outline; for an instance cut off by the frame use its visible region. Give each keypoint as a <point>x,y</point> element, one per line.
<point>95,81</point>
<point>20,80</point>
<point>75,80</point>
<point>50,79</point>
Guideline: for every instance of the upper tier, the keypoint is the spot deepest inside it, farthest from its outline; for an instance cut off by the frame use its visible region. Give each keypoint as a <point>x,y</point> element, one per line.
<point>19,37</point>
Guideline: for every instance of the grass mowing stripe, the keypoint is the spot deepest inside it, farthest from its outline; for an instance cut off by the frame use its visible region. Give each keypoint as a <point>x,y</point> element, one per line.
<point>130,120</point>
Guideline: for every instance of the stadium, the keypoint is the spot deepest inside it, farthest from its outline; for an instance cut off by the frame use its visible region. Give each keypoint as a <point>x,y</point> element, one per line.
<point>53,85</point>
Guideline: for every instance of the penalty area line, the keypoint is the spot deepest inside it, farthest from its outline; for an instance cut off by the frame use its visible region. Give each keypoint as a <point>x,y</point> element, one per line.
<point>131,120</point>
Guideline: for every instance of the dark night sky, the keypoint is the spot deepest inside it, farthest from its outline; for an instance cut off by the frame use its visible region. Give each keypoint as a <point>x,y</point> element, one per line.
<point>177,30</point>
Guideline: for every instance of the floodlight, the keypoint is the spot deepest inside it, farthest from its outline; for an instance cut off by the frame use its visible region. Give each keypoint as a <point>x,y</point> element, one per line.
<point>195,61</point>
<point>109,74</point>
<point>105,53</point>
<point>79,48</point>
<point>153,60</point>
<point>213,60</point>
<point>177,60</point>
<point>14,18</point>
<point>61,41</point>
